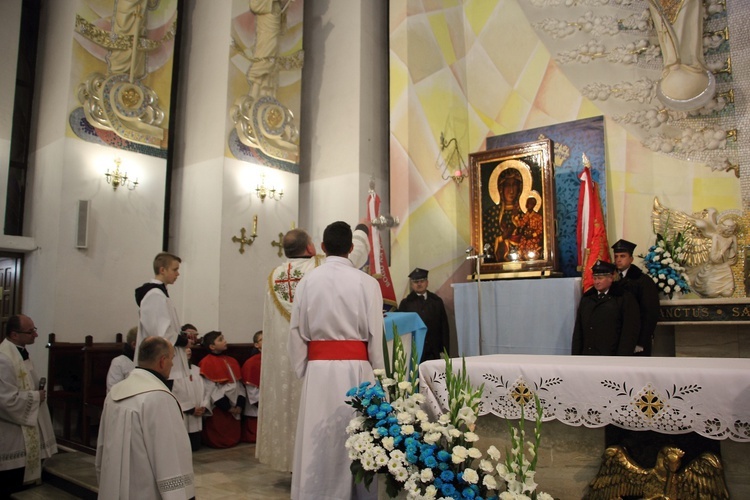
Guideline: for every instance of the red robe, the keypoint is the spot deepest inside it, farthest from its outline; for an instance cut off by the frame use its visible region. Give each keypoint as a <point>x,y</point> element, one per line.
<point>222,429</point>
<point>251,376</point>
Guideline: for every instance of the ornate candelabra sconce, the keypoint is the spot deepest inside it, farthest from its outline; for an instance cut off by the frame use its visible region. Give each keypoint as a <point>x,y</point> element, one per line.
<point>263,192</point>
<point>119,178</point>
<point>244,239</point>
<point>450,162</point>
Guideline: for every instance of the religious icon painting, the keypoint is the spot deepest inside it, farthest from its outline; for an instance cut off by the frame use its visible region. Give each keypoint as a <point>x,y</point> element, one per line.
<point>513,211</point>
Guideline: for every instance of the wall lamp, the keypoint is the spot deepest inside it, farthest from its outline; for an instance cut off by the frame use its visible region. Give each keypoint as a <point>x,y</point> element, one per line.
<point>118,178</point>
<point>271,192</point>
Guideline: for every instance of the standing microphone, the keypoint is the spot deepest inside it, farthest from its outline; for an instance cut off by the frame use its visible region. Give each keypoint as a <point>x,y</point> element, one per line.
<point>42,383</point>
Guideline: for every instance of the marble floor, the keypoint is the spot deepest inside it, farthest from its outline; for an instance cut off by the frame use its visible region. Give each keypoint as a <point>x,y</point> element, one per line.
<point>219,474</point>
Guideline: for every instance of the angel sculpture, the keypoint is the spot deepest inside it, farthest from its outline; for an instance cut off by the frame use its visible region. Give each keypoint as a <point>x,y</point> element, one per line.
<point>710,248</point>
<point>620,476</point>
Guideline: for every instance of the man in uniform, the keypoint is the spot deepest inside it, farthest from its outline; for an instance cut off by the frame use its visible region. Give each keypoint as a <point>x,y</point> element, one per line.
<point>608,320</point>
<point>431,309</point>
<point>645,291</point>
<point>280,391</point>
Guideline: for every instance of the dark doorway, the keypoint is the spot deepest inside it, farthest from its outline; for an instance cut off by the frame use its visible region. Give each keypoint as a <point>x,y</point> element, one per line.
<point>10,284</point>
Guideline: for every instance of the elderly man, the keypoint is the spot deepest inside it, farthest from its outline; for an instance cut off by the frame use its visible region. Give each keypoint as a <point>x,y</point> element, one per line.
<point>26,435</point>
<point>280,392</point>
<point>608,321</point>
<point>143,450</point>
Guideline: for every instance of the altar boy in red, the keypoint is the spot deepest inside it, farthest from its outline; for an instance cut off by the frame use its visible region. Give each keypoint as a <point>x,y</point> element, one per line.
<point>226,394</point>
<point>251,379</point>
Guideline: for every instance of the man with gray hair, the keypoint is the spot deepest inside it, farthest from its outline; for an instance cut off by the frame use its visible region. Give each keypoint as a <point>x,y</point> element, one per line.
<point>280,392</point>
<point>143,450</point>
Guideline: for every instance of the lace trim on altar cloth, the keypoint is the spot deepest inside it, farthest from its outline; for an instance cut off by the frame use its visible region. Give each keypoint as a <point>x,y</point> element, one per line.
<point>663,407</point>
<point>175,483</point>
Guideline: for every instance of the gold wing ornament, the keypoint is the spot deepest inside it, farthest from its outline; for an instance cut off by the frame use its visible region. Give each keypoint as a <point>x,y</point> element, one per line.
<point>619,476</point>
<point>694,228</point>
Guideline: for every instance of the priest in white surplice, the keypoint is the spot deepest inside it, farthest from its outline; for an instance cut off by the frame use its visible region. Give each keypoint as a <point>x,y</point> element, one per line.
<point>335,341</point>
<point>26,435</point>
<point>280,391</point>
<point>143,450</point>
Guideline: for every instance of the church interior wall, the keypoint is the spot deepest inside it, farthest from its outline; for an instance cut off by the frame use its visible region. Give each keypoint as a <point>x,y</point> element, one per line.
<point>477,69</point>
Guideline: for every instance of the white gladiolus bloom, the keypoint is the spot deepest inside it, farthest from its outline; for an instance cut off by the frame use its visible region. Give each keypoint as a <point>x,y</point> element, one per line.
<point>404,385</point>
<point>493,452</point>
<point>467,415</point>
<point>470,437</point>
<point>454,433</point>
<point>444,419</point>
<point>379,372</point>
<point>471,476</point>
<point>387,382</point>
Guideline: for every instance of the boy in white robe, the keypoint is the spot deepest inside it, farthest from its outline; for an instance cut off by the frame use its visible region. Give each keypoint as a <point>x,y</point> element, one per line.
<point>143,449</point>
<point>335,341</point>
<point>122,365</point>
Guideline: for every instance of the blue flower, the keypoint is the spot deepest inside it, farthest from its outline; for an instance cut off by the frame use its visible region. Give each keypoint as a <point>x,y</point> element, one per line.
<point>382,431</point>
<point>372,410</point>
<point>447,475</point>
<point>386,407</point>
<point>351,392</point>
<point>468,493</point>
<point>443,456</point>
<point>364,385</point>
<point>443,466</point>
<point>411,458</point>
<point>430,462</point>
<point>395,430</point>
<point>380,415</point>
<point>448,490</point>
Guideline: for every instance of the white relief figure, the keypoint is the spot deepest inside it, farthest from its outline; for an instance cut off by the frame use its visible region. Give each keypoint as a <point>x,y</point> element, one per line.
<point>710,246</point>
<point>261,120</point>
<point>686,83</point>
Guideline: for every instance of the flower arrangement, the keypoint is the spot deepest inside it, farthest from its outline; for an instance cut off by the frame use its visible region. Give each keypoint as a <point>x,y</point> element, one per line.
<point>393,436</point>
<point>665,264</point>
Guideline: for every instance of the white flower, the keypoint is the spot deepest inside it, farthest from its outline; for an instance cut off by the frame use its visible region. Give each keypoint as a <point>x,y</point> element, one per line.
<point>404,385</point>
<point>493,452</point>
<point>355,425</point>
<point>425,475</point>
<point>401,474</point>
<point>407,430</point>
<point>444,419</point>
<point>470,437</point>
<point>404,417</point>
<point>467,415</point>
<point>432,437</point>
<point>667,289</point>
<point>489,482</point>
<point>431,491</point>
<point>486,466</point>
<point>378,372</point>
<point>471,476</point>
<point>387,382</point>
<point>670,281</point>
<point>459,454</point>
<point>677,288</point>
<point>544,496</point>
<point>475,453</point>
<point>454,433</point>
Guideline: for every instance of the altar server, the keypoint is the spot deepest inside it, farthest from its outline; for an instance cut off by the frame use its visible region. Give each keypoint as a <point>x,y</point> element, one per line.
<point>143,449</point>
<point>608,319</point>
<point>335,341</point>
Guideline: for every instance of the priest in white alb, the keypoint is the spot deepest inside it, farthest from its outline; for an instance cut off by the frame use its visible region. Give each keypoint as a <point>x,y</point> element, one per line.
<point>143,450</point>
<point>280,391</point>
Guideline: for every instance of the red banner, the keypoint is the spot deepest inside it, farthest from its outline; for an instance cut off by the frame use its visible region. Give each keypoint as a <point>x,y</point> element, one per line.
<point>592,230</point>
<point>378,264</point>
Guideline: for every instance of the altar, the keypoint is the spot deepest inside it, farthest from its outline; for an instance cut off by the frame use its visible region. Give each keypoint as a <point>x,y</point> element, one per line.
<point>580,395</point>
<point>530,316</point>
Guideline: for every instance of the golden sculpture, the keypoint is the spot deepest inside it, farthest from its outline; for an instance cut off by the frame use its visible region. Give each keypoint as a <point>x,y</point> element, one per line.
<point>619,475</point>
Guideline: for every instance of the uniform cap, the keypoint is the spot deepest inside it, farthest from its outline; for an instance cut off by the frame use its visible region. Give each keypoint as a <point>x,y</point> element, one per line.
<point>623,246</point>
<point>418,274</point>
<point>603,268</point>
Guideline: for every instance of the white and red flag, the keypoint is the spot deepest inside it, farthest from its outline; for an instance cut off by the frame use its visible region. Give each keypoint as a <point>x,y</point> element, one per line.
<point>591,231</point>
<point>378,264</point>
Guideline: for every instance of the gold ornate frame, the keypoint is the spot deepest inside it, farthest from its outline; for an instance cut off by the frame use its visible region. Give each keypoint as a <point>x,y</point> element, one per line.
<point>508,185</point>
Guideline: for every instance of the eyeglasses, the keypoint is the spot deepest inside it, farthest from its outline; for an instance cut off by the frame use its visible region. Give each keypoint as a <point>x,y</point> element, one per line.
<point>33,330</point>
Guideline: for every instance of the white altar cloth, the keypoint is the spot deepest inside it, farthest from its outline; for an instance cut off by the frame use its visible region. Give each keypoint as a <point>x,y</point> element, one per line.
<point>709,396</point>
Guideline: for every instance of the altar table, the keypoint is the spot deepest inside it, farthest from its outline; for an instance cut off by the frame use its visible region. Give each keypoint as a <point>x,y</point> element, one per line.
<point>708,396</point>
<point>534,316</point>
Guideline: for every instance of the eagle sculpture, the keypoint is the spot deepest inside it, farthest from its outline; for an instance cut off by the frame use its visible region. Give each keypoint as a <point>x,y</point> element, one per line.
<point>619,476</point>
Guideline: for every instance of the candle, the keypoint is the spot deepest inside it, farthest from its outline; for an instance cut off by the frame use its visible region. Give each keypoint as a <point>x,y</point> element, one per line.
<point>255,225</point>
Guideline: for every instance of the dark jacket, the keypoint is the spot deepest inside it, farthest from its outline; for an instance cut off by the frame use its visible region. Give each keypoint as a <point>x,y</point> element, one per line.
<point>432,312</point>
<point>608,326</point>
<point>646,293</point>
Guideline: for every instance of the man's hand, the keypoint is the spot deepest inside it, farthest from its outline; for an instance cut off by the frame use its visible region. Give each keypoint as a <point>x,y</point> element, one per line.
<point>235,410</point>
<point>42,395</point>
<point>199,411</point>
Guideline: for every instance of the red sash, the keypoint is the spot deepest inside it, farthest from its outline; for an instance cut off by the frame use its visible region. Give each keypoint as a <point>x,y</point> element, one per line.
<point>318,350</point>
